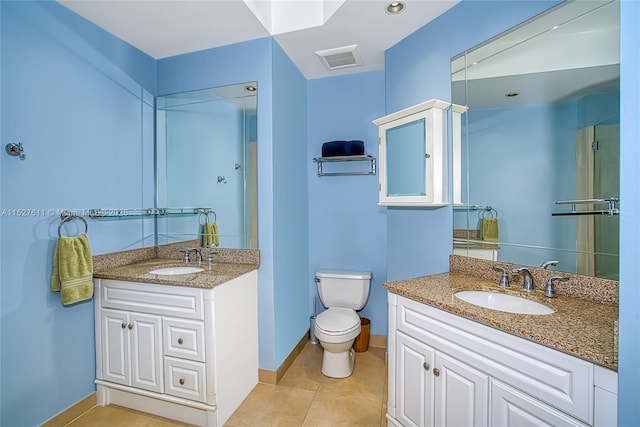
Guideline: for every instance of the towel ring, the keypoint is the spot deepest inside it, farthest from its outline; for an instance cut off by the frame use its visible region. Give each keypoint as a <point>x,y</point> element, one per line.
<point>488,212</point>
<point>206,217</point>
<point>70,218</point>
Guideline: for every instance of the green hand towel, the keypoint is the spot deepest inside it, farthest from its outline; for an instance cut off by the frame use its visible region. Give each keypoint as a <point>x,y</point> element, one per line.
<point>490,229</point>
<point>209,235</point>
<point>72,274</point>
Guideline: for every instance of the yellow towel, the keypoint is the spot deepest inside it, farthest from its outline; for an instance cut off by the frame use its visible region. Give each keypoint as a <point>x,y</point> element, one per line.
<point>72,274</point>
<point>209,235</point>
<point>490,229</point>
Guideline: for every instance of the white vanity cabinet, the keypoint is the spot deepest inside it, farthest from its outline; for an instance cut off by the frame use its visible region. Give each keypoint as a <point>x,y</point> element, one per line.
<point>413,156</point>
<point>184,353</point>
<point>445,370</point>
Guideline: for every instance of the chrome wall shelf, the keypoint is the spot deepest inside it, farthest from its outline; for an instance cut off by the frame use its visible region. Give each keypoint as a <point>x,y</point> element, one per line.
<point>363,158</point>
<point>134,213</point>
<point>612,207</point>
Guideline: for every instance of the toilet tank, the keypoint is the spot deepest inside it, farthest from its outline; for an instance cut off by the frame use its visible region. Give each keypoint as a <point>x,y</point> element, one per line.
<point>342,288</point>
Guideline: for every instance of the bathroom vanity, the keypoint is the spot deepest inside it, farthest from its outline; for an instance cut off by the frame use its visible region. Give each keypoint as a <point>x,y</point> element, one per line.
<point>181,346</point>
<point>454,363</point>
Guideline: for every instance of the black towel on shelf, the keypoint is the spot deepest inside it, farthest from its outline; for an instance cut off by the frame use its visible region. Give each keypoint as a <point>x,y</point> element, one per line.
<point>343,148</point>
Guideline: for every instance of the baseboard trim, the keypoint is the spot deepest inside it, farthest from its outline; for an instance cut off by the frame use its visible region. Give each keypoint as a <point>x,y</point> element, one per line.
<point>273,377</point>
<point>72,412</point>
<point>379,341</point>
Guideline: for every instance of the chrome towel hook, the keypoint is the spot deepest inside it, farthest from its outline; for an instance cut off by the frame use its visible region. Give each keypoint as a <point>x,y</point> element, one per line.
<point>15,149</point>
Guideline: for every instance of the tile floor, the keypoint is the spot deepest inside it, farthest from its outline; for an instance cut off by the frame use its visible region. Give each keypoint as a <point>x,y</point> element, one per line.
<point>304,397</point>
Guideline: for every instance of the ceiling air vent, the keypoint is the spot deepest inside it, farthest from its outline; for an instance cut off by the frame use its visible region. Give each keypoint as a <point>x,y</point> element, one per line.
<point>340,57</point>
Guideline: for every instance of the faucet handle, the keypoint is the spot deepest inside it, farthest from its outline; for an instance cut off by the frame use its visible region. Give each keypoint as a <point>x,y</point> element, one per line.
<point>527,280</point>
<point>210,252</point>
<point>549,291</point>
<point>185,257</point>
<point>504,280</point>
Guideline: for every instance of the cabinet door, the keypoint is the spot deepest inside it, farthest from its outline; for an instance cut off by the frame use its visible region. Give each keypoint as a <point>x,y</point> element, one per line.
<point>146,351</point>
<point>414,382</point>
<point>510,407</point>
<point>115,345</point>
<point>461,393</point>
<point>413,156</point>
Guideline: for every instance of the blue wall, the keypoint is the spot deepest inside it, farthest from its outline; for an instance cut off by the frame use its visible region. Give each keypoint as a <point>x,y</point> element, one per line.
<point>629,345</point>
<point>79,100</point>
<point>346,226</point>
<point>290,205</point>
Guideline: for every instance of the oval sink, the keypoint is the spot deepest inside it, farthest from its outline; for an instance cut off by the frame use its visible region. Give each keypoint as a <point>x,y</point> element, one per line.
<point>174,271</point>
<point>503,302</point>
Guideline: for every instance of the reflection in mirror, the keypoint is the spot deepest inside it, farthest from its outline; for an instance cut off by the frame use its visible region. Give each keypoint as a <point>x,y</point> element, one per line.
<point>206,156</point>
<point>539,123</point>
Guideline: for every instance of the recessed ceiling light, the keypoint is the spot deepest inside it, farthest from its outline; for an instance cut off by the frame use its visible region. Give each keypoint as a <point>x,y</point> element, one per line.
<point>512,94</point>
<point>250,88</point>
<point>395,7</point>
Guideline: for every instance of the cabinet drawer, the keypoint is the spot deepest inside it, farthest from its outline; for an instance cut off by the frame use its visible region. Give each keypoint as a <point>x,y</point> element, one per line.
<point>510,407</point>
<point>155,299</point>
<point>184,379</point>
<point>183,339</point>
<point>560,380</point>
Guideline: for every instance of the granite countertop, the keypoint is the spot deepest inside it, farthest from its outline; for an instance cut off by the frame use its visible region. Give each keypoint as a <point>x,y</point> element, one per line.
<point>579,327</point>
<point>219,273</point>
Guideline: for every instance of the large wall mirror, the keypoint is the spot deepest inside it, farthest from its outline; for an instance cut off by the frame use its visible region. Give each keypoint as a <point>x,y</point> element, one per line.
<point>206,157</point>
<point>538,123</point>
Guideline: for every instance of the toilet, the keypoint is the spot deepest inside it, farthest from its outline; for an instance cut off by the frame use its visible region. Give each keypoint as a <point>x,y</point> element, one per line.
<point>342,293</point>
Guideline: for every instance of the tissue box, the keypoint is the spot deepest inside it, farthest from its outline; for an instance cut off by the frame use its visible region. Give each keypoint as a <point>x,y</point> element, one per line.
<point>343,148</point>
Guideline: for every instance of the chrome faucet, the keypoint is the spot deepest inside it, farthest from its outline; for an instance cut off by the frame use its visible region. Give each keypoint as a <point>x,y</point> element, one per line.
<point>187,251</point>
<point>546,264</point>
<point>504,280</point>
<point>549,291</point>
<point>527,280</point>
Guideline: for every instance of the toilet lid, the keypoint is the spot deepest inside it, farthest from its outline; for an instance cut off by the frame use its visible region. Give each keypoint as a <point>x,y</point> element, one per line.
<point>337,319</point>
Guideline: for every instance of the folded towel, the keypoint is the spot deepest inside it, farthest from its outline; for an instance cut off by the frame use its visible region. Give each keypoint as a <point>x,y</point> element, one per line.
<point>72,274</point>
<point>490,229</point>
<point>209,236</point>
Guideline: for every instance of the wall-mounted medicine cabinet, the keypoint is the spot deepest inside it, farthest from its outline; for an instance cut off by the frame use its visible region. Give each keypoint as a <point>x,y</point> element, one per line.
<point>412,163</point>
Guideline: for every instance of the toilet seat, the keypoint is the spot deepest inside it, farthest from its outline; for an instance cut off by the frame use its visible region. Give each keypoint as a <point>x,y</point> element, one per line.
<point>337,325</point>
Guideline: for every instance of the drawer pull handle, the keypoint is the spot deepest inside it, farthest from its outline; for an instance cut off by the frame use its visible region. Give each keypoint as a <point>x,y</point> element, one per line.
<point>436,372</point>
<point>426,366</point>
<point>130,326</point>
<point>181,381</point>
<point>180,341</point>
<point>124,325</point>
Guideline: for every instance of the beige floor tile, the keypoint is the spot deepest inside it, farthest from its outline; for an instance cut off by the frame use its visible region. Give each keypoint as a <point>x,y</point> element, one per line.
<point>269,405</point>
<point>335,411</point>
<point>305,372</point>
<point>117,416</point>
<point>366,382</point>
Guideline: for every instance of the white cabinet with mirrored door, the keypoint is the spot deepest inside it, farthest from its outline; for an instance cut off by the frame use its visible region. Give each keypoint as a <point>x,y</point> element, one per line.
<point>413,156</point>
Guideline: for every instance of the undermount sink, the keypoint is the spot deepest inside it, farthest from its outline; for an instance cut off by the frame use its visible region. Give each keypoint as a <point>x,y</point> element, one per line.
<point>503,302</point>
<point>174,271</point>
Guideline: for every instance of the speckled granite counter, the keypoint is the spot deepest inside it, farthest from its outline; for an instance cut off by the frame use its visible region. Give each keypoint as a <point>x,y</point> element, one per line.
<point>209,278</point>
<point>578,327</point>
<point>134,265</point>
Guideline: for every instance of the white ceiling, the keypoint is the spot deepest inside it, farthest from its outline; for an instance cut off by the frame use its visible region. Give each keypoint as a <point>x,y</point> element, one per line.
<point>163,28</point>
